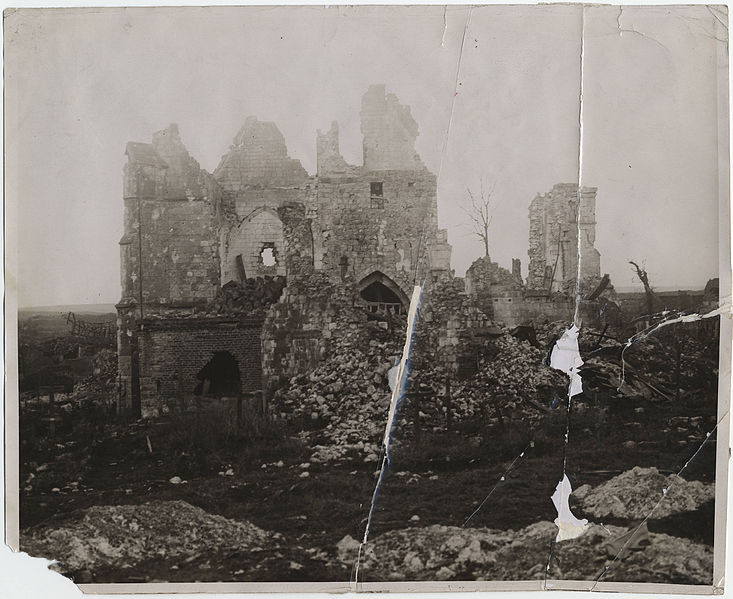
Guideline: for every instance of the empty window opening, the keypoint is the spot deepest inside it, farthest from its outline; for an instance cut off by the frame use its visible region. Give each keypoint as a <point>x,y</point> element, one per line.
<point>376,194</point>
<point>220,377</point>
<point>381,298</point>
<point>267,255</point>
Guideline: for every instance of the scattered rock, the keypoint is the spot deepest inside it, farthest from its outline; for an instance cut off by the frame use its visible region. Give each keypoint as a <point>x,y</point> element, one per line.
<point>635,493</point>
<point>446,552</point>
<point>347,549</point>
<point>122,536</point>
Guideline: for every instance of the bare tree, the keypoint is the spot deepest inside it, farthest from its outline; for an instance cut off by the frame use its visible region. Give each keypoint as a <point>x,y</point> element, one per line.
<point>644,278</point>
<point>479,211</point>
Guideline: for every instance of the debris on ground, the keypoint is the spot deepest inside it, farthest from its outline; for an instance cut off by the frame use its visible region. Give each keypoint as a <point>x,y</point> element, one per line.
<point>636,492</point>
<point>124,536</point>
<point>453,553</point>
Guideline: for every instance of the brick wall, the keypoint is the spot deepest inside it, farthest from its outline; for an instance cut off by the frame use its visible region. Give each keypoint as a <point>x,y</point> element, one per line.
<point>172,352</point>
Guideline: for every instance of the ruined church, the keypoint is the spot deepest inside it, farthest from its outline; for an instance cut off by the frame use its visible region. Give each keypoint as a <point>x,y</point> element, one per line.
<point>246,273</point>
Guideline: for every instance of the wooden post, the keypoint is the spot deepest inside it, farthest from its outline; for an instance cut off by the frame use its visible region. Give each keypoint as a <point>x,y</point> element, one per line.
<point>448,406</point>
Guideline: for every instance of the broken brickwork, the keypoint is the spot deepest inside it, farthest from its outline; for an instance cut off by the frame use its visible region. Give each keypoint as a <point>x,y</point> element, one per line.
<point>345,243</point>
<point>174,352</point>
<point>556,219</point>
<point>269,266</point>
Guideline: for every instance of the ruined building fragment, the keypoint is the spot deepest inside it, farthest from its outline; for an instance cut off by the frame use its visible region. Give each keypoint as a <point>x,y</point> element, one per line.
<point>550,289</point>
<point>263,234</point>
<point>556,219</point>
<point>235,281</point>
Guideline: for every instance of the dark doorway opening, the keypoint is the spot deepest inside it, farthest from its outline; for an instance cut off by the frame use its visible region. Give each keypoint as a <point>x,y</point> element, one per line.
<point>381,298</point>
<point>220,377</point>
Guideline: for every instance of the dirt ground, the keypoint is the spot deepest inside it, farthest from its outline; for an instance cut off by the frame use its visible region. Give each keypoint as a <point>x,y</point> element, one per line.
<point>268,479</point>
<point>442,481</point>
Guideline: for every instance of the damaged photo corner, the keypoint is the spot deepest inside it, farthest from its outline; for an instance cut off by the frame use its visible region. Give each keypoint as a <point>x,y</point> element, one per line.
<point>407,299</point>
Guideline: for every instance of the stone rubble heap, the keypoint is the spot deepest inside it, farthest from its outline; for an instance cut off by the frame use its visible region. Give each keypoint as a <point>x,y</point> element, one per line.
<point>248,297</point>
<point>453,553</point>
<point>511,381</point>
<point>127,535</point>
<point>635,493</point>
<point>347,397</point>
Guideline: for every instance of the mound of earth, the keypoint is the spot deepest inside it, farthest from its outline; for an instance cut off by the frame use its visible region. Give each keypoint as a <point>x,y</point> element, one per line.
<point>635,493</point>
<point>453,553</point>
<point>123,536</point>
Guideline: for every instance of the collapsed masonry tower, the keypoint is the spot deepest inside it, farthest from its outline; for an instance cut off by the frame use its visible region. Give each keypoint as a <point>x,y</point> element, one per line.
<point>192,238</point>
<point>555,222</point>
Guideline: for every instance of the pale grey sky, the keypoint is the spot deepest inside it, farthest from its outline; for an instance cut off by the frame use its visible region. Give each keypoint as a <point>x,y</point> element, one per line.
<point>89,80</point>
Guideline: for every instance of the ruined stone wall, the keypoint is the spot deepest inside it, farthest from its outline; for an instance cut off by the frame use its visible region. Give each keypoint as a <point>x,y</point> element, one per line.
<point>389,132</point>
<point>553,238</point>
<point>268,190</point>
<point>169,250</point>
<point>262,229</point>
<point>170,254</point>
<point>391,233</point>
<point>172,353</point>
<point>450,324</point>
<point>258,157</point>
<point>328,156</point>
<point>186,229</point>
<point>255,198</point>
<point>486,282</point>
<point>297,331</point>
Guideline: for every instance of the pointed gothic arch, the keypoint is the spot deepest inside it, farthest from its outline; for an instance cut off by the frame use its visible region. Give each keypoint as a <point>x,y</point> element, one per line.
<point>382,294</point>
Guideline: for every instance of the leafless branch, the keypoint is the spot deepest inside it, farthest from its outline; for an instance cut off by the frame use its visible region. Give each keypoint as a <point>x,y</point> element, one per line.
<point>479,212</point>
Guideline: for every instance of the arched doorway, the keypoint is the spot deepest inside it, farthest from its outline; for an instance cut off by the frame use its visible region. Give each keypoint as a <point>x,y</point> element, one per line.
<point>382,294</point>
<point>220,377</point>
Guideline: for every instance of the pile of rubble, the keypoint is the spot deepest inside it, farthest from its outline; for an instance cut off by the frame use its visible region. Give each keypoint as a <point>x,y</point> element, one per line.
<point>248,297</point>
<point>347,397</point>
<point>123,536</point>
<point>636,494</point>
<point>453,553</point>
<point>511,381</point>
<point>647,369</point>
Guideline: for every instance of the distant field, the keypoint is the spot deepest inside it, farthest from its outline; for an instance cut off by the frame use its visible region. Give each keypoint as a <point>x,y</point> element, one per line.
<point>44,322</point>
<point>76,308</point>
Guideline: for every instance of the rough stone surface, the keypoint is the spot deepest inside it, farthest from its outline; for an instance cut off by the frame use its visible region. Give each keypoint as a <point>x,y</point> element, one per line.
<point>555,222</point>
<point>127,535</point>
<point>635,493</point>
<point>188,234</point>
<point>454,553</point>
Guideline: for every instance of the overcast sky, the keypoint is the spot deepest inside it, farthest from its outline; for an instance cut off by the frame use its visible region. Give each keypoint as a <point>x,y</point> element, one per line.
<point>83,82</point>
